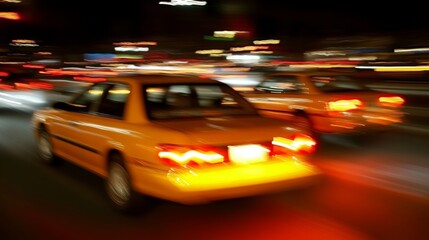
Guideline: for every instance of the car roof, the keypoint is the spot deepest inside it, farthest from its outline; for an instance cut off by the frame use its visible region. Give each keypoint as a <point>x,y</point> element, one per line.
<point>161,79</point>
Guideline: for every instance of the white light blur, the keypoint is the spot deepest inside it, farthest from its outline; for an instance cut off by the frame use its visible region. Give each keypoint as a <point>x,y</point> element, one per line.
<point>10,101</point>
<point>366,67</point>
<point>244,58</point>
<point>245,154</point>
<point>131,49</point>
<point>363,58</point>
<point>228,33</point>
<point>25,97</point>
<point>24,44</point>
<point>166,69</point>
<point>396,68</point>
<point>148,67</point>
<point>184,3</point>
<point>411,50</point>
<point>238,80</point>
<point>107,128</point>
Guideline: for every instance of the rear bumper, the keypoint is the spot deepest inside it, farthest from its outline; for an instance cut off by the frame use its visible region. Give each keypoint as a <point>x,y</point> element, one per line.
<point>200,186</point>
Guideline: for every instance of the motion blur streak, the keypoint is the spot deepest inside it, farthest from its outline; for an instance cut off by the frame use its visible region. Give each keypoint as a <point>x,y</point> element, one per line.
<point>184,3</point>
<point>10,15</point>
<point>22,100</point>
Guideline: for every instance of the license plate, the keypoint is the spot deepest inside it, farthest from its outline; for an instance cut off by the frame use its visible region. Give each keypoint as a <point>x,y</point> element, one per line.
<point>246,154</point>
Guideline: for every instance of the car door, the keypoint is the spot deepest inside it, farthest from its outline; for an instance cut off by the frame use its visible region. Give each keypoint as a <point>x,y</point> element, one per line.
<point>101,126</point>
<point>71,144</point>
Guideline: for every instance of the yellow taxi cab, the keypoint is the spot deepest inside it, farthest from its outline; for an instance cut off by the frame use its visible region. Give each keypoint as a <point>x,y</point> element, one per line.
<point>178,138</point>
<point>326,102</point>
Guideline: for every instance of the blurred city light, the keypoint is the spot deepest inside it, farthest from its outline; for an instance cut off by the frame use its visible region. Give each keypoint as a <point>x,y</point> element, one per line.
<point>131,49</point>
<point>10,15</point>
<point>24,43</point>
<point>411,50</point>
<point>248,48</point>
<point>266,42</point>
<point>141,43</point>
<point>184,3</point>
<point>244,58</point>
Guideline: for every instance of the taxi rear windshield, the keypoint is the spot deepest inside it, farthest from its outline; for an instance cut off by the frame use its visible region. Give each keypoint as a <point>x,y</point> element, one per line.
<point>175,101</point>
<point>337,83</point>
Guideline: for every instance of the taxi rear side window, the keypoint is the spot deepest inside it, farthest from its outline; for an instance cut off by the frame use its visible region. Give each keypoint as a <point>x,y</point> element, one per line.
<point>280,84</point>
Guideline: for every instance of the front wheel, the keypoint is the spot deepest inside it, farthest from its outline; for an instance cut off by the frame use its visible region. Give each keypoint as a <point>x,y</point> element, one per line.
<point>45,148</point>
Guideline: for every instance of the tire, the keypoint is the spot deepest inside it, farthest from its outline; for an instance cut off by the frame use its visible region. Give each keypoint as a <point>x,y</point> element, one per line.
<point>45,148</point>
<point>302,121</point>
<point>119,189</point>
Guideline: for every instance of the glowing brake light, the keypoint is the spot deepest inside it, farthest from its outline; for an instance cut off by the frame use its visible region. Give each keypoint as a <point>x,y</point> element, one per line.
<point>344,105</point>
<point>248,153</point>
<point>299,143</point>
<point>392,101</point>
<point>185,155</point>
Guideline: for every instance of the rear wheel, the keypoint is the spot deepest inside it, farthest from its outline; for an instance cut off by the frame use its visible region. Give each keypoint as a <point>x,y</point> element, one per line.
<point>302,121</point>
<point>119,188</point>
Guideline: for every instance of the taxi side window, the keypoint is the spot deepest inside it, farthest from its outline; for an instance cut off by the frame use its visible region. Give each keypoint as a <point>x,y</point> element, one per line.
<point>280,84</point>
<point>90,98</point>
<point>179,96</point>
<point>212,96</point>
<point>113,102</point>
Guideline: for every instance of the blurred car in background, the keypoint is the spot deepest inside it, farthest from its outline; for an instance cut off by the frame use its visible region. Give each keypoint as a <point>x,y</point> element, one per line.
<point>179,138</point>
<point>326,102</point>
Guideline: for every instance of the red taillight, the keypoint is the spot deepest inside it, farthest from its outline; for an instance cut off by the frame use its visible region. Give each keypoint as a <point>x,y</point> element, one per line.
<point>299,143</point>
<point>391,101</point>
<point>344,105</point>
<point>22,86</point>
<point>41,85</point>
<point>176,155</point>
<point>4,74</point>
<point>6,87</point>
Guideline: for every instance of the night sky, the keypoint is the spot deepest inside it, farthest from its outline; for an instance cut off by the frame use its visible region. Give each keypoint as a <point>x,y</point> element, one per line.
<point>83,21</point>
